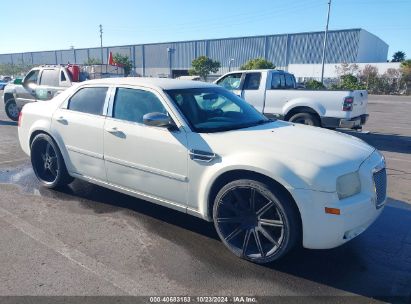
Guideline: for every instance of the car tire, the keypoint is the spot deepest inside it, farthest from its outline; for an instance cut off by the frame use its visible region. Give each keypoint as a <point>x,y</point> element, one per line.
<point>256,222</point>
<point>48,163</point>
<point>305,119</point>
<point>11,109</point>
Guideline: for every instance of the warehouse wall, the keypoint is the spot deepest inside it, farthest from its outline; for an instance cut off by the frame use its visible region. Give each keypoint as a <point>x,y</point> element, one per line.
<point>159,59</point>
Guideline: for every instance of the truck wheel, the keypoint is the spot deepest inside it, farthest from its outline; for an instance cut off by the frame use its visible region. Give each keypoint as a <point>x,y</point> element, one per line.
<point>255,222</point>
<point>305,119</point>
<point>11,109</point>
<point>48,163</point>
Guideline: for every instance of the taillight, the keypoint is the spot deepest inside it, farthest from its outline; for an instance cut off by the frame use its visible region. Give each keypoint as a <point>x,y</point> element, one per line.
<point>20,118</point>
<point>348,103</point>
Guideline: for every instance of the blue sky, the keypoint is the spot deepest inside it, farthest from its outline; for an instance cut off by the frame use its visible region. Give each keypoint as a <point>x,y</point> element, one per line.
<point>48,25</point>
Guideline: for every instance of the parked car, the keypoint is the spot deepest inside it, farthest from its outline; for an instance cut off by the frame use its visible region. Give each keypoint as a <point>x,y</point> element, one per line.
<point>200,149</point>
<point>45,82</point>
<point>40,83</point>
<point>2,84</point>
<point>6,79</point>
<point>276,94</point>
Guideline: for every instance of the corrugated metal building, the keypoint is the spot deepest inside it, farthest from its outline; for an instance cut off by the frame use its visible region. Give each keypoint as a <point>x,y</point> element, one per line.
<point>163,59</point>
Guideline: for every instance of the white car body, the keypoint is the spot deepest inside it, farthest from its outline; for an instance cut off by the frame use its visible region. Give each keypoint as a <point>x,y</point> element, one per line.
<point>286,100</point>
<point>306,161</point>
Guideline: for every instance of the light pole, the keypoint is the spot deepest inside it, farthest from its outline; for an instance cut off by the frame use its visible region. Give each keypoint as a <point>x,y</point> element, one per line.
<point>229,64</point>
<point>325,42</point>
<point>101,42</point>
<point>170,64</point>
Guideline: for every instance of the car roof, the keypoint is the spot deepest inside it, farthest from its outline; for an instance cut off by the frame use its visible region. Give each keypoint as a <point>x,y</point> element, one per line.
<point>154,83</point>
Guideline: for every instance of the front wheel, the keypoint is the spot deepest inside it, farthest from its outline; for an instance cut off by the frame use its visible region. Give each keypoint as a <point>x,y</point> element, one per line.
<point>48,163</point>
<point>255,222</point>
<point>12,110</point>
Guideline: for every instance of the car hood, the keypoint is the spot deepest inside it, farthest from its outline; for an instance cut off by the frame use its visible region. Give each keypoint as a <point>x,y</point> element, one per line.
<point>316,155</point>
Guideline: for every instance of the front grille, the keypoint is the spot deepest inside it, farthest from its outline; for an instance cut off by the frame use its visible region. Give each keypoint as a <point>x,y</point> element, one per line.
<point>380,184</point>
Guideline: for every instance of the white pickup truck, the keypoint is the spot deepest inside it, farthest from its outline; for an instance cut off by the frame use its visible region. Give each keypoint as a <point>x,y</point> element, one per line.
<point>275,94</point>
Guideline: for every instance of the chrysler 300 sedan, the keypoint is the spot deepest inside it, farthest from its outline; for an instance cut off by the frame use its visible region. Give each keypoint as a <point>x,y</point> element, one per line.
<point>198,148</point>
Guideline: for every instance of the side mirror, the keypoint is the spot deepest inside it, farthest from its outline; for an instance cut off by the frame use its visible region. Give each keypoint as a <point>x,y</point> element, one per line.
<point>18,81</point>
<point>157,119</point>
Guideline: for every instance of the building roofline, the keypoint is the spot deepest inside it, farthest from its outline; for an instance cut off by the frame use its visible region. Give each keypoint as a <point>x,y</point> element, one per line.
<point>198,40</point>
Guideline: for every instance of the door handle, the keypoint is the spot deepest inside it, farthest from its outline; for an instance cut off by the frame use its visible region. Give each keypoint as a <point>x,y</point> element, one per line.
<point>62,120</point>
<point>113,130</point>
<point>116,131</point>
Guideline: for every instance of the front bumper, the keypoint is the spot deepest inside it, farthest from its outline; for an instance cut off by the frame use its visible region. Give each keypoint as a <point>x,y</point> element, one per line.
<point>353,123</point>
<point>322,230</point>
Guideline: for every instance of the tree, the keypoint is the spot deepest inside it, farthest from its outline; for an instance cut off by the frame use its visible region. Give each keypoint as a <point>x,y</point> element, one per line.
<point>348,82</point>
<point>14,69</point>
<point>347,69</point>
<point>406,73</point>
<point>204,66</point>
<point>124,62</point>
<point>398,56</point>
<point>314,85</point>
<point>369,75</point>
<point>257,64</point>
<point>92,61</point>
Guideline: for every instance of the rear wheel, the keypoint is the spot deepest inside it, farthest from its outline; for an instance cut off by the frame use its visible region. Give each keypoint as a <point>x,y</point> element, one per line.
<point>48,163</point>
<point>305,119</point>
<point>12,110</point>
<point>255,222</point>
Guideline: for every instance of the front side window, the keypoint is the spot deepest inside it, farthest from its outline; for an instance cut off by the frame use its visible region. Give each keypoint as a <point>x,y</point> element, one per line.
<point>215,109</point>
<point>88,100</point>
<point>252,81</point>
<point>32,77</point>
<point>231,82</point>
<point>132,104</point>
<point>50,78</point>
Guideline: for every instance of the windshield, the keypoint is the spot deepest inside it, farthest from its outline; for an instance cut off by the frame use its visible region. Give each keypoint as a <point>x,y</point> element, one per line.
<point>215,109</point>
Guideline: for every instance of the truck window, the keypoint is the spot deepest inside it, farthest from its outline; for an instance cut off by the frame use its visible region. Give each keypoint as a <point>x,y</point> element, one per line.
<point>277,81</point>
<point>62,77</point>
<point>50,78</point>
<point>252,81</point>
<point>32,77</point>
<point>289,81</point>
<point>231,82</point>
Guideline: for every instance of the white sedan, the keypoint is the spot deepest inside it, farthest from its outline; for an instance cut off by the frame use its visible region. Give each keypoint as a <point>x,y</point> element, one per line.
<point>200,149</point>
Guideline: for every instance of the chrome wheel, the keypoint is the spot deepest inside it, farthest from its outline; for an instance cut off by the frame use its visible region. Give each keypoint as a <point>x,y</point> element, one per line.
<point>251,222</point>
<point>12,110</point>
<point>45,162</point>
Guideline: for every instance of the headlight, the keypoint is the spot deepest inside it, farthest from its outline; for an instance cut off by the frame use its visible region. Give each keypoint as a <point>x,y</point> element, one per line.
<point>348,185</point>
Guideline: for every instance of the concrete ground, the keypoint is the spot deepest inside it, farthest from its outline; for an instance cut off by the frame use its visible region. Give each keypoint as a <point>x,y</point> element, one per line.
<point>86,240</point>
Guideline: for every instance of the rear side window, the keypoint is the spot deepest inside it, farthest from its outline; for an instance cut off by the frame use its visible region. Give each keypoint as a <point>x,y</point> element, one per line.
<point>132,104</point>
<point>252,81</point>
<point>289,81</point>
<point>88,100</point>
<point>50,78</point>
<point>277,81</point>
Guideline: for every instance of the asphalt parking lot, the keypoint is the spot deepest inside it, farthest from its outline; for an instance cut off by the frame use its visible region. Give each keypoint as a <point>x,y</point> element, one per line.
<point>87,240</point>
